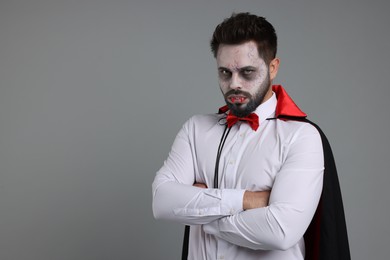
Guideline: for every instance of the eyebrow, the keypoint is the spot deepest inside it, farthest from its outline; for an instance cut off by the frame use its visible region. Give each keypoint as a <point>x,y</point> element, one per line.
<point>239,69</point>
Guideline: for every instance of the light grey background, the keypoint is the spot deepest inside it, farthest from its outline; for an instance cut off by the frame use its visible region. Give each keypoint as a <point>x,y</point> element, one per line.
<point>92,94</point>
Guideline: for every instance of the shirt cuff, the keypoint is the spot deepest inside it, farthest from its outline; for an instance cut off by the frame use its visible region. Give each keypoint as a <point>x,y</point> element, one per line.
<point>231,201</point>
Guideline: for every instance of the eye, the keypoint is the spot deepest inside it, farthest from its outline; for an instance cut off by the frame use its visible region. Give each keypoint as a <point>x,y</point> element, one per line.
<point>224,73</point>
<point>247,72</point>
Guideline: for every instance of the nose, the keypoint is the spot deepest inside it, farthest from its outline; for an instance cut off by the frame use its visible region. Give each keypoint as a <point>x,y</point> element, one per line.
<point>235,82</point>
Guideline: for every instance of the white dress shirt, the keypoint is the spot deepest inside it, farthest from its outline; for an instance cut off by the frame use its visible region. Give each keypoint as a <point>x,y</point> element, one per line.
<point>283,156</point>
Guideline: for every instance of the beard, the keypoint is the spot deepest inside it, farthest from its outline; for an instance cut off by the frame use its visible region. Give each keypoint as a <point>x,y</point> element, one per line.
<point>242,110</point>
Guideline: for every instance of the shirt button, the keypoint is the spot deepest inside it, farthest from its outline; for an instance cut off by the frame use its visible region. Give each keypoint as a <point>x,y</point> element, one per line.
<point>242,134</point>
<point>231,162</point>
<point>221,257</point>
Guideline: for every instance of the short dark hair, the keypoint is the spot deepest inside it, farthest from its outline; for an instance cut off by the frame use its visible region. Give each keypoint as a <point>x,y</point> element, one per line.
<point>244,27</point>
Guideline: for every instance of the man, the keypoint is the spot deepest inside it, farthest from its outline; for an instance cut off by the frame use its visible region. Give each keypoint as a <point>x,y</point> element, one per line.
<point>249,179</point>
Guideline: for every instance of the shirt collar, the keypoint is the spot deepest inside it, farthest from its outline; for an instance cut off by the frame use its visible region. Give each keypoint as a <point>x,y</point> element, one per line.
<point>267,109</point>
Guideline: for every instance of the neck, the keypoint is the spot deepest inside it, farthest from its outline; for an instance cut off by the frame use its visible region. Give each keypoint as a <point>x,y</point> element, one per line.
<point>268,95</point>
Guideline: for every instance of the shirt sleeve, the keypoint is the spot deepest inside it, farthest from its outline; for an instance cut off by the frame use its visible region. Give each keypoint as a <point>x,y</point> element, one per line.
<point>293,201</point>
<point>174,196</point>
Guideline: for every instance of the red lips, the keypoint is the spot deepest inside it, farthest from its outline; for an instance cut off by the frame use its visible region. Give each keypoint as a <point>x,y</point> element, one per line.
<point>237,99</point>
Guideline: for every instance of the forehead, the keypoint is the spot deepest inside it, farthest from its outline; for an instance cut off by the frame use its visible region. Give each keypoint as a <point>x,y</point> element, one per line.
<point>238,55</point>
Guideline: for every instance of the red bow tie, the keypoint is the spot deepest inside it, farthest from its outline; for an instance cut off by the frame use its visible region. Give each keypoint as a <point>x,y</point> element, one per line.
<point>252,119</point>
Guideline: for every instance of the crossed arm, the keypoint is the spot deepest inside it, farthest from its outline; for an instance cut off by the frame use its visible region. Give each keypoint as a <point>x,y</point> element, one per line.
<point>251,199</point>
<point>264,220</point>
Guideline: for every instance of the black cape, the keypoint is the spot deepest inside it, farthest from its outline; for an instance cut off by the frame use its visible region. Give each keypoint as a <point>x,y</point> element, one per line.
<point>326,237</point>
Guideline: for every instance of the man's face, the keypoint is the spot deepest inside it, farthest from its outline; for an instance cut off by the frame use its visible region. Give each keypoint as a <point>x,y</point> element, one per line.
<point>244,77</point>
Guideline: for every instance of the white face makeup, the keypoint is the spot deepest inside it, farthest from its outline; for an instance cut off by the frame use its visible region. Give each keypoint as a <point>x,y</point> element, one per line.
<point>243,77</point>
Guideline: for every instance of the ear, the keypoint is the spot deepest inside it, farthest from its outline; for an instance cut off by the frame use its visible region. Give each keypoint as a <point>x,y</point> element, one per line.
<point>273,68</point>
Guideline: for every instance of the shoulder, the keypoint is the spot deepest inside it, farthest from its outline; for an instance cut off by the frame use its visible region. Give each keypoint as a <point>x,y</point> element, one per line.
<point>292,125</point>
<point>295,129</point>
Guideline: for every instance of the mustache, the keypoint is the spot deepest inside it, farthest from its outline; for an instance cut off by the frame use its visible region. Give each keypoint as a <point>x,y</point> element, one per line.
<point>237,92</point>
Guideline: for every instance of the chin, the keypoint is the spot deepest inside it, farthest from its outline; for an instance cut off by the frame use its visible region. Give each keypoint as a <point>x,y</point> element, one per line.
<point>240,112</point>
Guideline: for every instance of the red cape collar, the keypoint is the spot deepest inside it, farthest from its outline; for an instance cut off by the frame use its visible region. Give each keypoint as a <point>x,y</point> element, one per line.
<point>285,106</point>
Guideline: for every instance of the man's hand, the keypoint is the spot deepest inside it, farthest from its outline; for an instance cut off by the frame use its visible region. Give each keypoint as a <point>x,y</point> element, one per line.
<point>200,185</point>
<point>255,199</point>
